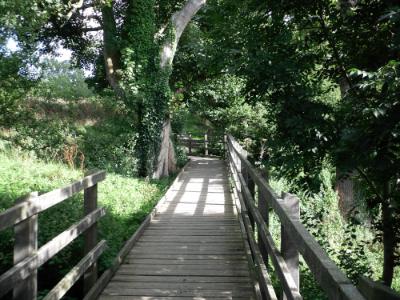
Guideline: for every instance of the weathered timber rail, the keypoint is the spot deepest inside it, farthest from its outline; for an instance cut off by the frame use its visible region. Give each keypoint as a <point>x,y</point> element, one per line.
<point>208,144</point>
<point>255,199</point>
<point>23,216</point>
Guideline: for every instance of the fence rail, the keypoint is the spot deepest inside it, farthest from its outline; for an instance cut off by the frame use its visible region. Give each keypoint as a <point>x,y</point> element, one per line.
<point>207,144</point>
<point>22,277</point>
<point>295,239</point>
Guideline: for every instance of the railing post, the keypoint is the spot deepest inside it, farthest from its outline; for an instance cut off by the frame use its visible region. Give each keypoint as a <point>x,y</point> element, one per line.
<point>190,144</point>
<point>224,145</point>
<point>205,144</point>
<point>288,249</point>
<point>26,244</point>
<point>90,236</point>
<point>263,207</point>
<point>249,183</point>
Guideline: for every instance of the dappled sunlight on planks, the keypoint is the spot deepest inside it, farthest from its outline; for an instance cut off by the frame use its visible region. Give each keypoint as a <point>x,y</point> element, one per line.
<point>193,247</point>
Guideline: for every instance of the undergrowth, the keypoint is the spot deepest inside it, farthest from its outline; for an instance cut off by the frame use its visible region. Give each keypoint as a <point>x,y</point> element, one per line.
<point>348,243</point>
<point>127,202</point>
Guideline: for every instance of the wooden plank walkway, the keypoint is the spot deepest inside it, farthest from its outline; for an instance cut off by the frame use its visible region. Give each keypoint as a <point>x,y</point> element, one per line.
<point>193,248</point>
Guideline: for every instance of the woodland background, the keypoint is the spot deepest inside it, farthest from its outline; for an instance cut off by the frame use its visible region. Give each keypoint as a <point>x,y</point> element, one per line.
<point>310,88</point>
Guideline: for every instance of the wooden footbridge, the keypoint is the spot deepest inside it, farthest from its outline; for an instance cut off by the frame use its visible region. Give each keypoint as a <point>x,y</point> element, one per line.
<point>207,238</point>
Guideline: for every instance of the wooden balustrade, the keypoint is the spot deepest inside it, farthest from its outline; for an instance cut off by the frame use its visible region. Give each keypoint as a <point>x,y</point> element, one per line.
<point>209,144</point>
<point>295,239</point>
<point>22,277</point>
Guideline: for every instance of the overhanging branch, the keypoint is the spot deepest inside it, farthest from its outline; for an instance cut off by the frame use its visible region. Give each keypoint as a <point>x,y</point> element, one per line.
<point>92,29</point>
<point>179,20</point>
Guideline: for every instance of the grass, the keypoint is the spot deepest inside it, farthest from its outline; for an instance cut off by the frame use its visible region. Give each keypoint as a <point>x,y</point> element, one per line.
<point>127,202</point>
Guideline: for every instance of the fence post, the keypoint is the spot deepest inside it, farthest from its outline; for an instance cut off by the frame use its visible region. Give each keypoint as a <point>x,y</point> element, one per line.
<point>249,183</point>
<point>190,144</point>
<point>263,207</point>
<point>224,145</point>
<point>26,244</point>
<point>90,235</point>
<point>288,249</point>
<point>205,144</point>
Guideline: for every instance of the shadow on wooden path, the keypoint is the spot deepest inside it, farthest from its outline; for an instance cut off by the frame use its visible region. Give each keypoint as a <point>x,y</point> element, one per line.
<point>193,247</point>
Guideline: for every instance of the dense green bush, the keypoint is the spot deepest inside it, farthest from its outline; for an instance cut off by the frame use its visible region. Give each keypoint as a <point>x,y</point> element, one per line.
<point>58,130</point>
<point>12,88</point>
<point>47,139</point>
<point>349,243</point>
<point>109,145</point>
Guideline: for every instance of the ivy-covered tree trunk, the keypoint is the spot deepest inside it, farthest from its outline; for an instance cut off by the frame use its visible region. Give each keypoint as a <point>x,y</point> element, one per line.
<point>145,106</point>
<point>344,185</point>
<point>144,82</point>
<point>111,49</point>
<point>166,162</point>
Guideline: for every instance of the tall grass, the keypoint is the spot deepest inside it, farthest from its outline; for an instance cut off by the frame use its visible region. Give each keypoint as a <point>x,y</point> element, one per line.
<point>127,202</point>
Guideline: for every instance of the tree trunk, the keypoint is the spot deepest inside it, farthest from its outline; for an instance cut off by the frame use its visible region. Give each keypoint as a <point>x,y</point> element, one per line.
<point>389,242</point>
<point>179,21</point>
<point>344,188</point>
<point>344,185</point>
<point>111,51</point>
<point>166,161</point>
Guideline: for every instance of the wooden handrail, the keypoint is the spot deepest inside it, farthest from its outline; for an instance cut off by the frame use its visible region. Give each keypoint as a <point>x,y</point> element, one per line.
<point>22,277</point>
<point>327,274</point>
<point>207,143</point>
<point>35,205</point>
<point>279,263</point>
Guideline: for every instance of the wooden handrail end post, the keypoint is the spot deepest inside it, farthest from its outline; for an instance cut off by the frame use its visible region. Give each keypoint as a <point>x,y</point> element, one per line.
<point>190,144</point>
<point>90,236</point>
<point>26,244</point>
<point>288,248</point>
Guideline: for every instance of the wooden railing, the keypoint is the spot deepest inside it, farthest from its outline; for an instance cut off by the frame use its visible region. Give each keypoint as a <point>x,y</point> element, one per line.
<point>207,145</point>
<point>295,239</point>
<point>22,277</point>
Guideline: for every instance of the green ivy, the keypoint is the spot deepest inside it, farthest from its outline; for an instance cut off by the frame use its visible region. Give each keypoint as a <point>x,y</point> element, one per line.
<point>146,84</point>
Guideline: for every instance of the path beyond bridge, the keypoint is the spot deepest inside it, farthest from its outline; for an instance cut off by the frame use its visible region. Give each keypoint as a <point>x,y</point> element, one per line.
<point>193,247</point>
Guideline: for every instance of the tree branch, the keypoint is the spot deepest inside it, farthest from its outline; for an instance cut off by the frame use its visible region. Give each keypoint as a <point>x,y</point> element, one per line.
<point>74,8</point>
<point>179,20</point>
<point>86,6</point>
<point>95,17</point>
<point>92,29</point>
<point>371,184</point>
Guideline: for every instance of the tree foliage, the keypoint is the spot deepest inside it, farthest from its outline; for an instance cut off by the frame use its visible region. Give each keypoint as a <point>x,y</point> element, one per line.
<point>302,83</point>
<point>321,81</point>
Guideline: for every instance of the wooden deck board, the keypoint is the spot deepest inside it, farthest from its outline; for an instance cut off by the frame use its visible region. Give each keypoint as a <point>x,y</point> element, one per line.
<point>192,249</point>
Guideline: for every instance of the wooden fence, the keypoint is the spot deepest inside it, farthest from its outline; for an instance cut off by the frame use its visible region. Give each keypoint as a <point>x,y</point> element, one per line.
<point>23,216</point>
<point>207,145</point>
<point>295,239</point>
